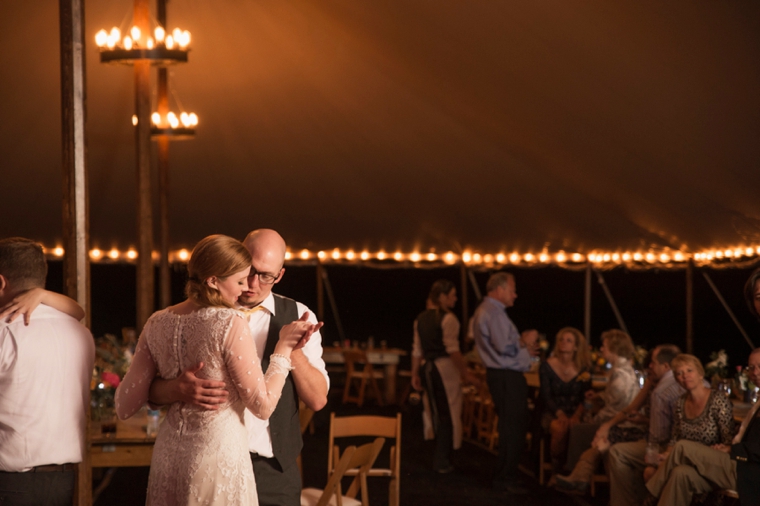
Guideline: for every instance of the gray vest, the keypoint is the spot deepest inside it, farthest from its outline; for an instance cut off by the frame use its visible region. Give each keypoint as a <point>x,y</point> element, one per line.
<point>284,424</point>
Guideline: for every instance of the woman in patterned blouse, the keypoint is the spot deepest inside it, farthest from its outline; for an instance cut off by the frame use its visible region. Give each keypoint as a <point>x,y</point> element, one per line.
<point>702,415</point>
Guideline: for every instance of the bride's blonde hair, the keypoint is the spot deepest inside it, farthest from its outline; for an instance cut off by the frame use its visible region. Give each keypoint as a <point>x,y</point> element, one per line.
<point>215,255</point>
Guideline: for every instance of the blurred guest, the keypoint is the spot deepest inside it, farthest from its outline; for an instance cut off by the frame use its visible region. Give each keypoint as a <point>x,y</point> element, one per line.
<point>45,370</point>
<point>507,354</point>
<point>622,386</point>
<point>436,340</point>
<point>565,379</point>
<point>627,460</point>
<point>629,426</point>
<point>708,457</point>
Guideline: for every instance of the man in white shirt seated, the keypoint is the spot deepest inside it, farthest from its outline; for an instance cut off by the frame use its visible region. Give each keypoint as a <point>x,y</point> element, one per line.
<point>45,371</point>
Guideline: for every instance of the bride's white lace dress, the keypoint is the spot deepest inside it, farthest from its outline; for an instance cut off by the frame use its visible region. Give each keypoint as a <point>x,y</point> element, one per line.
<point>200,456</point>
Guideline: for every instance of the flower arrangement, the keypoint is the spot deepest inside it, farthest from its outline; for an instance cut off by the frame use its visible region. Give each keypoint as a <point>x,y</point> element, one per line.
<point>598,362</point>
<point>112,359</point>
<point>718,365</point>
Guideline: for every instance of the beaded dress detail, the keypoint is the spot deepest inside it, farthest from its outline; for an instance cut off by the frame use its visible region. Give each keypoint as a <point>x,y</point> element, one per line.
<point>201,456</point>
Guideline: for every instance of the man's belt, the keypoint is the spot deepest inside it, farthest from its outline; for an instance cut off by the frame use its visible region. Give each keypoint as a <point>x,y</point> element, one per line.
<point>54,468</point>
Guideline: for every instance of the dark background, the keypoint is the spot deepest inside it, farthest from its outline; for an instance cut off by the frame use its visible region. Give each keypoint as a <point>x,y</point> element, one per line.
<point>383,303</point>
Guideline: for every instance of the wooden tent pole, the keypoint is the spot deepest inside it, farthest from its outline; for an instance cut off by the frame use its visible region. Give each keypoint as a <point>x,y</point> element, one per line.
<point>320,293</point>
<point>333,305</point>
<point>728,310</point>
<point>463,298</point>
<point>145,274</point>
<point>587,304</point>
<point>164,276</point>
<point>611,300</point>
<point>76,224</point>
<point>690,307</point>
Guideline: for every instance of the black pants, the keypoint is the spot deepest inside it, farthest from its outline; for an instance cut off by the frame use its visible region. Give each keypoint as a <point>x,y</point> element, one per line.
<point>441,415</point>
<point>509,391</point>
<point>55,488</point>
<point>276,486</point>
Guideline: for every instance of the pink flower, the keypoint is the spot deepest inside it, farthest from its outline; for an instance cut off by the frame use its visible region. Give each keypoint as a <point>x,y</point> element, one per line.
<point>110,378</point>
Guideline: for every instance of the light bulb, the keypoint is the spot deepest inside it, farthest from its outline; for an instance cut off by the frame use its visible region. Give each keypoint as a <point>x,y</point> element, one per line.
<point>160,34</point>
<point>169,42</point>
<point>150,43</point>
<point>177,34</point>
<point>156,118</point>
<point>101,38</point>
<point>193,119</point>
<point>134,119</point>
<point>127,43</point>
<point>135,31</point>
<point>173,121</point>
<point>185,119</point>
<point>115,33</point>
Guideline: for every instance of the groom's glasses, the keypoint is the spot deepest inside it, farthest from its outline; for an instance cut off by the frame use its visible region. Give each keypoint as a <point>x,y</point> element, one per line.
<point>265,278</point>
<point>752,368</point>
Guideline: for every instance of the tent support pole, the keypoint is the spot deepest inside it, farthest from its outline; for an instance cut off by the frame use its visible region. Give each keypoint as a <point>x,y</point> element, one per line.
<point>164,274</point>
<point>333,305</point>
<point>611,300</point>
<point>463,297</point>
<point>587,304</point>
<point>145,273</point>
<point>320,293</point>
<point>728,310</point>
<point>690,307</point>
<point>76,222</point>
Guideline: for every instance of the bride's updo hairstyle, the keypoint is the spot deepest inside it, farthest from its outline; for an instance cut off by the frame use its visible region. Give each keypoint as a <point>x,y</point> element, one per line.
<point>216,255</point>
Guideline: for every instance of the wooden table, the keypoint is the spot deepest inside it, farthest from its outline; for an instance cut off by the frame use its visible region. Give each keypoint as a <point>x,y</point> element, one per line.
<point>130,446</point>
<point>387,357</point>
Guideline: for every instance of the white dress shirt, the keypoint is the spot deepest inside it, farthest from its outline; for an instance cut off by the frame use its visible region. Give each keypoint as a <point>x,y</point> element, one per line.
<point>259,439</point>
<point>45,371</point>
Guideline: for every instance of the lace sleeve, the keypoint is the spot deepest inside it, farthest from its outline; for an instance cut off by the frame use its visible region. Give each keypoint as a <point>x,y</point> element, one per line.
<point>259,392</point>
<point>133,390</point>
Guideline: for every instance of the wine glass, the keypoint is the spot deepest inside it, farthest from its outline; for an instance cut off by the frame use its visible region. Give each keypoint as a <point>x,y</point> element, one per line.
<point>725,387</point>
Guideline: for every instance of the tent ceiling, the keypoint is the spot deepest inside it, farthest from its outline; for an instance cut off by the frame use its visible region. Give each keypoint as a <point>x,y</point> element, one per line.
<point>414,124</point>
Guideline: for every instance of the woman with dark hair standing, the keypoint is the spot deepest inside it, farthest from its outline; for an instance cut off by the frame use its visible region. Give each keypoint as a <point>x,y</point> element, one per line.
<point>200,456</point>
<point>436,341</point>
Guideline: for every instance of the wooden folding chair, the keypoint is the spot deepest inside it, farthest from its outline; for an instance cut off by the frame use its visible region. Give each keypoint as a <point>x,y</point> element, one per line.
<point>362,459</point>
<point>360,373</point>
<point>369,426</point>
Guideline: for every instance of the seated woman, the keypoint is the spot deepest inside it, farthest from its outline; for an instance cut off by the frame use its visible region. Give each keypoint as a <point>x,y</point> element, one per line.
<point>702,415</point>
<point>622,386</point>
<point>565,379</point>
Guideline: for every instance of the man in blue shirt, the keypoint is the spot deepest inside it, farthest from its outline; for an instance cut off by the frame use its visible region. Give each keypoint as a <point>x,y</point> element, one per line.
<point>506,355</point>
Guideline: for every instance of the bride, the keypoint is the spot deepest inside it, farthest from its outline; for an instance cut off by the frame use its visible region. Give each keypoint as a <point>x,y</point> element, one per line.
<point>200,456</point>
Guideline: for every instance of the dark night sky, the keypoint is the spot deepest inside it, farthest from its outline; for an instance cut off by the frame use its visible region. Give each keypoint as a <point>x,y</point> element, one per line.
<point>493,124</point>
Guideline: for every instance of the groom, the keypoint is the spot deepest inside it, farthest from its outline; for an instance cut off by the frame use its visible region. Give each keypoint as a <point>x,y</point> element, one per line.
<point>274,444</point>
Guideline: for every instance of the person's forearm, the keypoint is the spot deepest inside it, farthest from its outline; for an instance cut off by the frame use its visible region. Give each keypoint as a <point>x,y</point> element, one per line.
<point>63,303</point>
<point>311,385</point>
<point>416,362</point>
<point>162,392</point>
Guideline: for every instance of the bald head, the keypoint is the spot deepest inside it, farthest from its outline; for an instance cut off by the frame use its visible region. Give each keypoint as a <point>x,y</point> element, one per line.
<point>267,242</point>
<point>267,250</point>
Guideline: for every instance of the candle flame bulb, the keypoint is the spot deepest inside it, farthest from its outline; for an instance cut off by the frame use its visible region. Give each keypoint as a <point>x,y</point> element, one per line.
<point>156,118</point>
<point>150,43</point>
<point>135,31</point>
<point>134,119</point>
<point>169,42</point>
<point>115,33</point>
<point>101,38</point>
<point>160,34</point>
<point>193,119</point>
<point>173,121</point>
<point>177,34</point>
<point>185,119</point>
<point>127,43</point>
